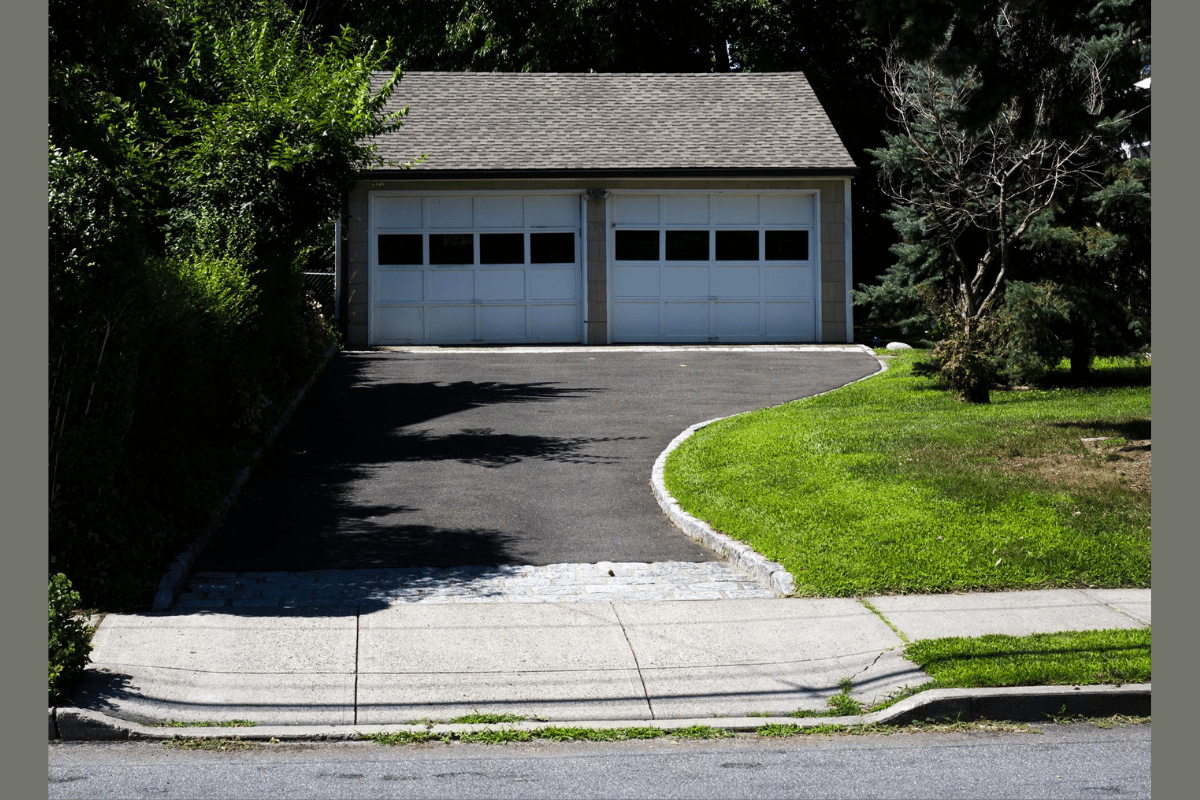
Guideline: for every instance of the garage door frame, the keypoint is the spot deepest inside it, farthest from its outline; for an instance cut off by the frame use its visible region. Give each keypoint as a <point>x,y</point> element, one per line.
<point>374,229</point>
<point>815,239</point>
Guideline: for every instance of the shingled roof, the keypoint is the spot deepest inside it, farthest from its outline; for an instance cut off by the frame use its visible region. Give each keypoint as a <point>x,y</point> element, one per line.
<point>547,124</point>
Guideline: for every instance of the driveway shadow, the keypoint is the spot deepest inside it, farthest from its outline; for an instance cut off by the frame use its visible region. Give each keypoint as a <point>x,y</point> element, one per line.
<point>306,508</point>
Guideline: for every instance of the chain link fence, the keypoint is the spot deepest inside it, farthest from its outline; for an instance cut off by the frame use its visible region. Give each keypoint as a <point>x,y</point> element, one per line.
<point>321,285</point>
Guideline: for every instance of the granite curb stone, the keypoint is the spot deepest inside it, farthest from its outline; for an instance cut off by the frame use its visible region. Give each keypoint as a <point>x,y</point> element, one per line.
<point>766,571</point>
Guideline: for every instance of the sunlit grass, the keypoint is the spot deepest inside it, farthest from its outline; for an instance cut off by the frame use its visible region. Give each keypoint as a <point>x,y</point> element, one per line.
<point>891,485</point>
<point>1042,659</point>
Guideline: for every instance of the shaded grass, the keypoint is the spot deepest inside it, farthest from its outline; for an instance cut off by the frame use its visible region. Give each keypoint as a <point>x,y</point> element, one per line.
<point>1041,659</point>
<point>890,485</point>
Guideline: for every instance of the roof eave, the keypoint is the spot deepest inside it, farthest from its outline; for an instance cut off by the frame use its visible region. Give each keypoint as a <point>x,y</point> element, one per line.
<point>653,172</point>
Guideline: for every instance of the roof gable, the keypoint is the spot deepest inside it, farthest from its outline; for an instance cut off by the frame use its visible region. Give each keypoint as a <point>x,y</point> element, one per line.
<point>619,123</point>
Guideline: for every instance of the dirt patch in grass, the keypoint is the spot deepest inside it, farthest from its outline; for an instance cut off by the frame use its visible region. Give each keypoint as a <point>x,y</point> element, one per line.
<point>1112,461</point>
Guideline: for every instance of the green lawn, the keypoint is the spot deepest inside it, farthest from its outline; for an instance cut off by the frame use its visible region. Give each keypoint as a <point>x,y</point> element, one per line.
<point>1042,659</point>
<point>890,485</point>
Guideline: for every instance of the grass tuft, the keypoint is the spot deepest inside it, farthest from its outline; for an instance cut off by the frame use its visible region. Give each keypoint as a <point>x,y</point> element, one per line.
<point>233,723</point>
<point>486,719</point>
<point>214,745</point>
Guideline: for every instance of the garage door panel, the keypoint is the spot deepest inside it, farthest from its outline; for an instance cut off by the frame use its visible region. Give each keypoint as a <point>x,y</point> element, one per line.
<point>554,284</point>
<point>787,281</point>
<point>635,282</point>
<point>398,323</point>
<point>734,209</point>
<point>686,319</point>
<point>753,283</point>
<point>500,284</point>
<point>685,210</point>
<point>554,323</point>
<point>459,268</point>
<point>450,323</point>
<point>788,318</point>
<point>499,212</point>
<point>502,323</point>
<point>738,319</point>
<point>398,212</point>
<point>451,285</point>
<point>735,281</point>
<point>636,321</point>
<point>552,211</point>
<point>635,209</point>
<point>400,287</point>
<point>786,209</point>
<point>685,282</point>
<point>450,212</point>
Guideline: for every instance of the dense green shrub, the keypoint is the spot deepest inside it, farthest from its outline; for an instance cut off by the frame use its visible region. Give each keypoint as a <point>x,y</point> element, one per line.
<point>193,175</point>
<point>1035,328</point>
<point>70,645</point>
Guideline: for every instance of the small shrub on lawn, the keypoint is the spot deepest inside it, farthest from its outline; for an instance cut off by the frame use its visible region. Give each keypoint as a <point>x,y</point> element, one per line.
<point>70,645</point>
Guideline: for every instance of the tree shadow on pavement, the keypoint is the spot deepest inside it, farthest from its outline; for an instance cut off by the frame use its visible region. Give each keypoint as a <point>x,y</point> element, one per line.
<point>321,498</point>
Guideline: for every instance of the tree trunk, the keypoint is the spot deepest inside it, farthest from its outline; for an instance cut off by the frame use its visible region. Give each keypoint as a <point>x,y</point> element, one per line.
<point>977,391</point>
<point>1081,351</point>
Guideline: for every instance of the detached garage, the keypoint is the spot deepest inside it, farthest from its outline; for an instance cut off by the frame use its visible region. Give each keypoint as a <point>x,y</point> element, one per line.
<point>597,209</point>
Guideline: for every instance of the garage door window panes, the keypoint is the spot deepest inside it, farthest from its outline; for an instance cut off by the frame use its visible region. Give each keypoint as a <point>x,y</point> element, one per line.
<point>787,246</point>
<point>501,248</point>
<point>551,248</point>
<point>451,248</point>
<point>637,246</point>
<point>400,249</point>
<point>737,245</point>
<point>687,245</point>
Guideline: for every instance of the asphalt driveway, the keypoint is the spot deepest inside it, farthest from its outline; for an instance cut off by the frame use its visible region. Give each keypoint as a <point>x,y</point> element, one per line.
<point>442,459</point>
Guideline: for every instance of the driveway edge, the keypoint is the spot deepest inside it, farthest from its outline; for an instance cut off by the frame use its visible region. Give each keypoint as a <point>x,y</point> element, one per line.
<point>770,573</point>
<point>177,573</point>
<point>1011,704</point>
<point>742,555</point>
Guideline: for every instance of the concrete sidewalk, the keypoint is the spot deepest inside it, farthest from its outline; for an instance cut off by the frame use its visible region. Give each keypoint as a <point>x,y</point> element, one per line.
<point>630,662</point>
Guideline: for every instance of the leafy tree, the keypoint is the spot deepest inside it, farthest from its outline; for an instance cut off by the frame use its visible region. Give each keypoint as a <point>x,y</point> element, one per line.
<point>1024,56</point>
<point>193,173</point>
<point>978,190</point>
<point>1090,258</point>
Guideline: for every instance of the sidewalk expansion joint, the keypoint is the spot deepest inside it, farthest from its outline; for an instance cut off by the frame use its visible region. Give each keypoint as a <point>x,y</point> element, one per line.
<point>357,636</point>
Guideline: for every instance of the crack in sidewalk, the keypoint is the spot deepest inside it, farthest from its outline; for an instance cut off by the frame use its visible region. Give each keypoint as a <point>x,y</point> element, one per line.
<point>636,663</point>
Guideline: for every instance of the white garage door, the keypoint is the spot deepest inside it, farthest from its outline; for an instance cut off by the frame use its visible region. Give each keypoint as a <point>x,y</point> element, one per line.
<point>714,267</point>
<point>453,269</point>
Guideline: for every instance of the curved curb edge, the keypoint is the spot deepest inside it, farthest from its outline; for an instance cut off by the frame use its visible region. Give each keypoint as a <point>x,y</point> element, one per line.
<point>179,569</point>
<point>769,572</point>
<point>741,555</point>
<point>1011,704</point>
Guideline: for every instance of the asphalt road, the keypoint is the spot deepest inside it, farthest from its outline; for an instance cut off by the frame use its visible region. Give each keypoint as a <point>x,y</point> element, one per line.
<point>462,459</point>
<point>1056,761</point>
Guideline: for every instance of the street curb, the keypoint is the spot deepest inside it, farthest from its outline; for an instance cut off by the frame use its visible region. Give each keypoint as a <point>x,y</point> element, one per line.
<point>742,555</point>
<point>179,569</point>
<point>1010,704</point>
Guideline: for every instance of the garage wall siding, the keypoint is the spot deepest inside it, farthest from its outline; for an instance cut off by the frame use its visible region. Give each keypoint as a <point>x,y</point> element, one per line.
<point>833,241</point>
<point>595,261</point>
